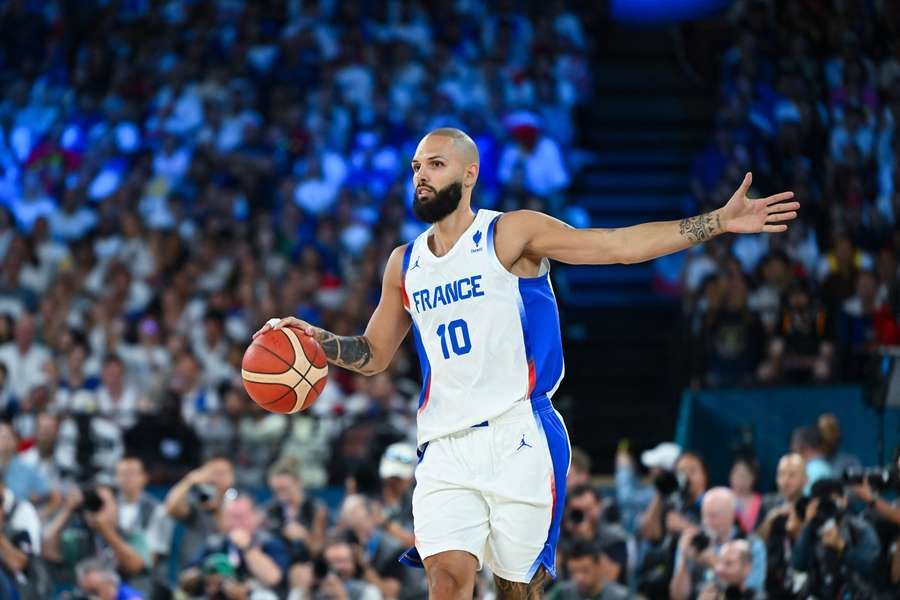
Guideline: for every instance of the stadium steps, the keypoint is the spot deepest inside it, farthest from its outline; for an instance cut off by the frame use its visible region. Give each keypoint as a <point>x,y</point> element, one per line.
<point>643,129</point>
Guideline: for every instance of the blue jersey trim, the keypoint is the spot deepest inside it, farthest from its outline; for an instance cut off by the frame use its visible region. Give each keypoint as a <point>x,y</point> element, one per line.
<point>540,327</point>
<point>550,424</point>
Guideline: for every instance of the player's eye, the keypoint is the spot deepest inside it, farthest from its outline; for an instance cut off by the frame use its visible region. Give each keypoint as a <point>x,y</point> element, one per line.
<point>436,163</point>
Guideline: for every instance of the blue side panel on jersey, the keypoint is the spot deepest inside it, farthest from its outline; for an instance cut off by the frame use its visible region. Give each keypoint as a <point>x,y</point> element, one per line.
<point>540,324</point>
<point>560,453</point>
<point>423,362</point>
<point>406,256</point>
<point>490,235</point>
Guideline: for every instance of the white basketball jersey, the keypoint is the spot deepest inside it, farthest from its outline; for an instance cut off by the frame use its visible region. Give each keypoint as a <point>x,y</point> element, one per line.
<point>486,338</point>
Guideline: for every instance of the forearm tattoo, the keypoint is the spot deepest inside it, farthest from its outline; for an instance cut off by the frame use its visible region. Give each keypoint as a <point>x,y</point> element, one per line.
<point>700,228</point>
<point>350,352</point>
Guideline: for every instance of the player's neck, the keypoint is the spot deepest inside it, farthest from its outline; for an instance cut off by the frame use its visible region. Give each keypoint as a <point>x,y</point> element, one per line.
<point>448,230</point>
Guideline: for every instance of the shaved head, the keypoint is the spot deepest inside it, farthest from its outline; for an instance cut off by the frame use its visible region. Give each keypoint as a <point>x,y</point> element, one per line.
<point>463,145</point>
<point>445,169</point>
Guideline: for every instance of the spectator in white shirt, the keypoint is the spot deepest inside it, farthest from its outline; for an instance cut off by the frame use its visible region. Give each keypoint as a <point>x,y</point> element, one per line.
<point>24,358</point>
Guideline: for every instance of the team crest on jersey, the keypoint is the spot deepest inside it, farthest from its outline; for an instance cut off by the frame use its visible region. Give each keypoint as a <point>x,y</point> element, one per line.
<point>477,239</point>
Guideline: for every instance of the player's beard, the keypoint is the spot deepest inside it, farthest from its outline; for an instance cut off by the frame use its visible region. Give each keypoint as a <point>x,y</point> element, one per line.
<point>442,202</point>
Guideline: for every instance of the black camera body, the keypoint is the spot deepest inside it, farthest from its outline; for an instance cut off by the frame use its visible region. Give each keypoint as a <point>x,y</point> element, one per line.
<point>701,541</point>
<point>203,493</point>
<point>93,502</point>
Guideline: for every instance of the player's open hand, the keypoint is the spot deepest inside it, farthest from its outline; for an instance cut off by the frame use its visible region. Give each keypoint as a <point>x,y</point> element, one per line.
<point>277,323</point>
<point>754,215</point>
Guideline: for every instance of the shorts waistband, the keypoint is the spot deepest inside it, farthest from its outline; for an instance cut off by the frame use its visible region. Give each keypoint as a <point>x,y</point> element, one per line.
<point>522,408</point>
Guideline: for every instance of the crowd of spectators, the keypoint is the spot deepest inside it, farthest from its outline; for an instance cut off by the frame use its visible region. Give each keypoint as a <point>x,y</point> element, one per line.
<point>808,101</point>
<point>173,174</point>
<point>830,529</point>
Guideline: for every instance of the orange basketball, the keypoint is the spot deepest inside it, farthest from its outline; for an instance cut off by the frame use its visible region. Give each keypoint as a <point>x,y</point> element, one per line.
<point>284,370</point>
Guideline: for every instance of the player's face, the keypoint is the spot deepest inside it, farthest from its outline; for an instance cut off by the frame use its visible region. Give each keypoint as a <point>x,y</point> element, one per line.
<point>438,178</point>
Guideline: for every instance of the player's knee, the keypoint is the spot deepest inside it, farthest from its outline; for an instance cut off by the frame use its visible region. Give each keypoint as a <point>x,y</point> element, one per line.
<point>448,583</point>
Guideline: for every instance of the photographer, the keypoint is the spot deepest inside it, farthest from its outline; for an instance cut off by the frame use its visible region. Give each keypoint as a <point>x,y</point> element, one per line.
<point>260,560</point>
<point>837,550</point>
<point>98,580</point>
<point>196,501</point>
<point>377,551</point>
<point>297,519</point>
<point>20,547</point>
<point>89,525</point>
<point>585,522</point>
<point>733,566</point>
<point>884,515</point>
<point>698,548</point>
<point>674,509</point>
<point>676,505</point>
<point>790,479</point>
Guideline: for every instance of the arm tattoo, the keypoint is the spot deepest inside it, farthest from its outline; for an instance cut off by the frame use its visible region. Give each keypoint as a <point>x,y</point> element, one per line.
<point>700,228</point>
<point>350,352</point>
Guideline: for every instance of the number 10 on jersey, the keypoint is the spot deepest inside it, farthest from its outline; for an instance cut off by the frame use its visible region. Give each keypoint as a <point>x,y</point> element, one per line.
<point>458,333</point>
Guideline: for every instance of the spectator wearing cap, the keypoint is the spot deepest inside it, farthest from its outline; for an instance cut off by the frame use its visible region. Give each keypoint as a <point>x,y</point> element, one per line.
<point>590,576</point>
<point>396,470</point>
<point>807,442</point>
<point>633,497</point>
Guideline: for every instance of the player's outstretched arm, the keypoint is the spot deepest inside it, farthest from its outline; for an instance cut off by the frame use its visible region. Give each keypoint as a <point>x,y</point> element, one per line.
<point>373,351</point>
<point>540,235</point>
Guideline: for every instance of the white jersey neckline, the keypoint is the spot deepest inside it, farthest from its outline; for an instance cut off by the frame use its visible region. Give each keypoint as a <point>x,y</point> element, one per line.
<point>456,245</point>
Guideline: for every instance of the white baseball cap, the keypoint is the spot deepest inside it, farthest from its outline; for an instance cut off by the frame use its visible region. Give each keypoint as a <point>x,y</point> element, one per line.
<point>399,460</point>
<point>663,456</point>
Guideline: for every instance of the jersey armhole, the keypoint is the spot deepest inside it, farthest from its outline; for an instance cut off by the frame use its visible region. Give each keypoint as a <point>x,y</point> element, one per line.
<point>543,271</point>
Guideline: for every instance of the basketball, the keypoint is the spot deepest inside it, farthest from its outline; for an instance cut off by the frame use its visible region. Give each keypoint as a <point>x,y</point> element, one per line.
<point>284,370</point>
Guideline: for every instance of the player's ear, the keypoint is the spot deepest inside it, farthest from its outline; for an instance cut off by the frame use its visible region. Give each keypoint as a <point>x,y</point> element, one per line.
<point>471,175</point>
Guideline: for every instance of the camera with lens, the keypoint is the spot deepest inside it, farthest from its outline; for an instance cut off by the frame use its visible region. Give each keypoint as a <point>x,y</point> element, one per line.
<point>203,493</point>
<point>666,483</point>
<point>700,542</point>
<point>92,501</point>
<point>880,479</point>
<point>733,592</point>
<point>576,516</point>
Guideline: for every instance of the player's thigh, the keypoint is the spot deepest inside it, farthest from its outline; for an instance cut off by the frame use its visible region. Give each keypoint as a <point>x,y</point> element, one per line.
<point>528,497</point>
<point>449,513</point>
<point>451,574</point>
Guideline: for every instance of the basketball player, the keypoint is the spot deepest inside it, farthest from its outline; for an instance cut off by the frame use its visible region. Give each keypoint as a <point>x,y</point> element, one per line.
<point>491,479</point>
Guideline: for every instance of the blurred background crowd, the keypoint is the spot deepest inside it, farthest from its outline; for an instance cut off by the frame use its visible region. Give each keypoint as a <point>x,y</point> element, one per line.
<point>808,99</point>
<point>174,173</point>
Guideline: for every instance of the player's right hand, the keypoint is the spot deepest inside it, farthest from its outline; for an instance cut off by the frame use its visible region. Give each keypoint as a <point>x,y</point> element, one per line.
<point>277,323</point>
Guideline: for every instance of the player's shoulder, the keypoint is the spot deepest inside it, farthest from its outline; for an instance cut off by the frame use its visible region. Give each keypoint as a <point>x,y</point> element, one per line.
<point>522,218</point>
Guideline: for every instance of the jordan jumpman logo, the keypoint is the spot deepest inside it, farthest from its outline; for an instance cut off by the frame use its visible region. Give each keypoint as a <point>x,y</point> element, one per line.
<point>523,443</point>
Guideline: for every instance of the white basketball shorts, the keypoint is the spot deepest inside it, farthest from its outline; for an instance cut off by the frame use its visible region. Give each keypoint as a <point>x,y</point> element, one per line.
<point>496,490</point>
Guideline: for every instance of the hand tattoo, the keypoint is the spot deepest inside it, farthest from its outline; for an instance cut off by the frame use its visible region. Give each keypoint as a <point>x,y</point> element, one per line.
<point>700,228</point>
<point>350,352</point>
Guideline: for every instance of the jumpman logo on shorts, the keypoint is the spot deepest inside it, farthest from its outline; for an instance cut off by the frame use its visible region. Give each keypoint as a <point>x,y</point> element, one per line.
<point>523,444</point>
<point>415,265</point>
